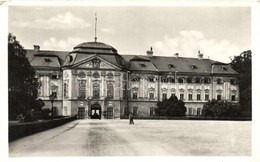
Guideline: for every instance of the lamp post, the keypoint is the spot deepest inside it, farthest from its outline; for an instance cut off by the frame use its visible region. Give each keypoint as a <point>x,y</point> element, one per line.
<point>52,97</point>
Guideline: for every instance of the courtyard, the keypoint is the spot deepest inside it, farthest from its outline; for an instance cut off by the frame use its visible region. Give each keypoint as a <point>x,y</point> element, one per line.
<point>145,138</point>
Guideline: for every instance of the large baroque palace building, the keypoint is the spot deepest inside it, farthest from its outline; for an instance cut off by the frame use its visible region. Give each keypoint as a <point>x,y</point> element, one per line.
<point>94,81</point>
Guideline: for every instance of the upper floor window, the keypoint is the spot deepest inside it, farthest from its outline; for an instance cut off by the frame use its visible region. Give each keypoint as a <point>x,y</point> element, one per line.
<point>190,96</point>
<point>207,80</point>
<point>134,95</point>
<point>82,88</point>
<point>189,80</point>
<point>164,96</point>
<point>151,95</point>
<point>232,81</point>
<point>180,80</point>
<point>110,91</point>
<point>96,75</point>
<point>219,81</point>
<point>198,80</point>
<point>96,90</point>
<point>54,91</point>
<point>171,79</point>
<point>125,92</point>
<point>164,79</point>
<point>96,63</point>
<point>198,96</point>
<point>151,79</point>
<point>54,75</point>
<point>206,97</point>
<point>181,96</point>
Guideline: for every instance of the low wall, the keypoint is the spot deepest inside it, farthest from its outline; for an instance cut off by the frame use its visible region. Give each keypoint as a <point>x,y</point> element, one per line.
<point>188,118</point>
<point>18,130</point>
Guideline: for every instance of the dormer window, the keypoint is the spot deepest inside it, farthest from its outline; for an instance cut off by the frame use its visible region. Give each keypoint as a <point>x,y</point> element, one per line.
<point>47,60</point>
<point>142,65</point>
<point>194,67</point>
<point>224,68</point>
<point>171,66</point>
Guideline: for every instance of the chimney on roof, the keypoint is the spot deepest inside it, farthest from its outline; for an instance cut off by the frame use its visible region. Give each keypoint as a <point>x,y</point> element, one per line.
<point>150,53</point>
<point>176,55</point>
<point>36,48</point>
<point>200,55</point>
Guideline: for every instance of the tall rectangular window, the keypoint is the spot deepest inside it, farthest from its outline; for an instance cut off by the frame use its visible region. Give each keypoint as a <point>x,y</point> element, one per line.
<point>82,88</point>
<point>110,91</point>
<point>190,111</point>
<point>198,96</point>
<point>198,111</point>
<point>164,96</point>
<point>152,111</point>
<point>218,97</point>
<point>190,96</point>
<point>207,80</point>
<point>151,95</point>
<point>206,97</point>
<point>54,91</point>
<point>134,95</point>
<point>96,90</point>
<point>125,92</point>
<point>135,110</point>
<point>233,98</point>
<point>181,96</point>
<point>65,89</point>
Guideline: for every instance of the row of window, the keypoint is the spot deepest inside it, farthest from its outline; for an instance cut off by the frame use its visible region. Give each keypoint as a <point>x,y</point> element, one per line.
<point>96,90</point>
<point>184,80</point>
<point>190,96</point>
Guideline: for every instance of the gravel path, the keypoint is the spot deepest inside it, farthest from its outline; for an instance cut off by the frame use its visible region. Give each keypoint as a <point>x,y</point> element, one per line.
<point>145,138</point>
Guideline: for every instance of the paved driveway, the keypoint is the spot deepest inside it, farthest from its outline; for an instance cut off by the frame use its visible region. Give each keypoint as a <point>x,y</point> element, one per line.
<point>145,138</point>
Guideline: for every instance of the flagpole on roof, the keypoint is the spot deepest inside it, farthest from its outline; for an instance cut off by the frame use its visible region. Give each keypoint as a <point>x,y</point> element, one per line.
<point>95,27</point>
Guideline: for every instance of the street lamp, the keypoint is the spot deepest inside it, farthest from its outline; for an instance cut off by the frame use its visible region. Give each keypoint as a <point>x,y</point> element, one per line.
<point>52,97</point>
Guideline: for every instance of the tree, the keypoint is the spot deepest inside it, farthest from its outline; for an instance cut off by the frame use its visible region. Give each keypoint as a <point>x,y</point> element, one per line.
<point>243,65</point>
<point>216,108</point>
<point>171,107</point>
<point>22,85</point>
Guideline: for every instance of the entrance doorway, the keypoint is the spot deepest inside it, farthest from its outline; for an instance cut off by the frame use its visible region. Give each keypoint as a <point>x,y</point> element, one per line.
<point>81,112</point>
<point>95,111</point>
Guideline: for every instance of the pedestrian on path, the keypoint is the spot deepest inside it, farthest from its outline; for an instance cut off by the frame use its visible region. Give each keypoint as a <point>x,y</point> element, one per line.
<point>131,119</point>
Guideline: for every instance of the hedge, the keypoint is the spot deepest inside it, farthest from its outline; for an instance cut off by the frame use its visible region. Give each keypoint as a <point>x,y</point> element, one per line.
<point>24,129</point>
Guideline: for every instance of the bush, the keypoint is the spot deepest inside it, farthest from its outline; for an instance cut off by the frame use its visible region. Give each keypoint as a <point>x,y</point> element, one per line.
<point>216,108</point>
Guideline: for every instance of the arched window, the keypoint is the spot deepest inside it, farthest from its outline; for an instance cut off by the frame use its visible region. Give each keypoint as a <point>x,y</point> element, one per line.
<point>96,75</point>
<point>96,90</point>
<point>180,80</point>
<point>110,90</point>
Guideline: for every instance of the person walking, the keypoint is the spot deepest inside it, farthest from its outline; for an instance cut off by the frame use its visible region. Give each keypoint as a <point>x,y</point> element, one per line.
<point>131,119</point>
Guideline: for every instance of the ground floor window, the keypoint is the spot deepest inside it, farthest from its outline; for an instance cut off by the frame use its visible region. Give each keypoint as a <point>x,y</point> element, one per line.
<point>65,110</point>
<point>152,111</point>
<point>135,110</point>
<point>218,97</point>
<point>206,97</point>
<point>198,111</point>
<point>181,96</point>
<point>125,111</point>
<point>190,111</point>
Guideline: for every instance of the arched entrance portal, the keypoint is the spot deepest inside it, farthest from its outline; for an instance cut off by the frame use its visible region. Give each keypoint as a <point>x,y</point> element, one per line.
<point>95,111</point>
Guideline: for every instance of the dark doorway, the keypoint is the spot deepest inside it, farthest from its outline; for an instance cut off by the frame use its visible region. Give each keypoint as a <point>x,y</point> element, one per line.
<point>81,112</point>
<point>95,111</point>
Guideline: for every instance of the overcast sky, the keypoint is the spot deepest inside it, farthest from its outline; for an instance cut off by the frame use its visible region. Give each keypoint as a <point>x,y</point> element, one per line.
<point>218,32</point>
